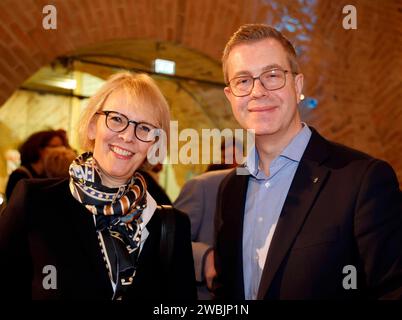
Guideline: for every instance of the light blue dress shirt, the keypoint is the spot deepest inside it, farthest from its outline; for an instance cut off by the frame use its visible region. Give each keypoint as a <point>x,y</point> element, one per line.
<point>264,203</point>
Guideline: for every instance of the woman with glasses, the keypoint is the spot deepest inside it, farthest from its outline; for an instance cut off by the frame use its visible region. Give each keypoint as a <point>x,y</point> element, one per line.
<point>100,234</point>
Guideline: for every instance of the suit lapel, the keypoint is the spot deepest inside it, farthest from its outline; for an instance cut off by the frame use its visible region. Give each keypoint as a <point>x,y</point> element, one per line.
<point>233,204</point>
<point>308,180</point>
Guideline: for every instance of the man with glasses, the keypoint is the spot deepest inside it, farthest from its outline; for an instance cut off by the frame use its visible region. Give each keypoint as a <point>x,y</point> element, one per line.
<point>313,219</point>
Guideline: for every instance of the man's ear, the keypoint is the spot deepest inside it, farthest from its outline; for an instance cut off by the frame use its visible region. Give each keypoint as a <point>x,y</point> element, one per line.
<point>227,92</point>
<point>299,80</point>
<point>92,129</point>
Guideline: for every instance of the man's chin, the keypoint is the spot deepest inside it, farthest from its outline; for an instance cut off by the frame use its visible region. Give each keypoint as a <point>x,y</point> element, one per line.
<point>264,131</point>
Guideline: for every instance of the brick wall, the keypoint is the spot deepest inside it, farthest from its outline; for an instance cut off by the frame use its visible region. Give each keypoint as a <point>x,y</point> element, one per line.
<point>356,75</point>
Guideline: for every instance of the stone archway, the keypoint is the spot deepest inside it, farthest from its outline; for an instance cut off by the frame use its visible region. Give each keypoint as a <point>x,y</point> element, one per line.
<point>26,45</point>
<point>194,92</point>
<point>342,66</point>
<point>203,26</point>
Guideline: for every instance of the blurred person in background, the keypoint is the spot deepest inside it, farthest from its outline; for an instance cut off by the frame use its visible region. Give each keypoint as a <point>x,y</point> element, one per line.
<point>197,198</point>
<point>151,177</point>
<point>33,152</point>
<point>57,162</point>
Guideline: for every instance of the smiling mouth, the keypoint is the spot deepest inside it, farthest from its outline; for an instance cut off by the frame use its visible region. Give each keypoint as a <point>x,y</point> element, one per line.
<point>121,152</point>
<point>262,109</point>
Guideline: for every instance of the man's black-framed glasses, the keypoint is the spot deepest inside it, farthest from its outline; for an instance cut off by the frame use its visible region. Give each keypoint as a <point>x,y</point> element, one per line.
<point>118,122</point>
<point>273,79</point>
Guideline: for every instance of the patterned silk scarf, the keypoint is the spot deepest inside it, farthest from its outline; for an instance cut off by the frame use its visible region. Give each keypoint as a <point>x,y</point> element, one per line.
<point>117,214</point>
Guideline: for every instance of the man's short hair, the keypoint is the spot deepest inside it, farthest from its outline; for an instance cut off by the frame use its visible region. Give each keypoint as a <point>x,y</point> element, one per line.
<point>250,33</point>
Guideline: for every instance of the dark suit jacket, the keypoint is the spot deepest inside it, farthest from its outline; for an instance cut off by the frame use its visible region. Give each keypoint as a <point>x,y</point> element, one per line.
<point>343,208</point>
<point>44,225</point>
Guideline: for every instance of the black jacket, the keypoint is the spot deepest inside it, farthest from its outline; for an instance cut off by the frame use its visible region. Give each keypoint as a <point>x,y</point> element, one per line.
<point>343,208</point>
<point>23,172</point>
<point>44,225</point>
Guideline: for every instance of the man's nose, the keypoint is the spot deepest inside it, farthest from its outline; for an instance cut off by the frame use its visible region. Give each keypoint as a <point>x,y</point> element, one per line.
<point>258,89</point>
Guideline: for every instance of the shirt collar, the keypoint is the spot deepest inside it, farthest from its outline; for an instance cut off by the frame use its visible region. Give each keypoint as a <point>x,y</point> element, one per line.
<point>293,151</point>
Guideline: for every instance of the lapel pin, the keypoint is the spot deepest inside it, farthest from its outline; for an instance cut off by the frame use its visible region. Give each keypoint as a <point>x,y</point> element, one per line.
<point>315,180</point>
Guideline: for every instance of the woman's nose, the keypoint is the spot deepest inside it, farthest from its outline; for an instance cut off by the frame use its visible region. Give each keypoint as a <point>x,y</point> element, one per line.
<point>128,134</point>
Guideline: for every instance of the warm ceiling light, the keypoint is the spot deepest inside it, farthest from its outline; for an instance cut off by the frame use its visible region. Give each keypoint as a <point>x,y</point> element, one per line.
<point>164,66</point>
<point>70,84</point>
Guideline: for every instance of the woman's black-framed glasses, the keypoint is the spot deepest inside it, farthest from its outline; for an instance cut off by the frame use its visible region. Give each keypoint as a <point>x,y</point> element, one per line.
<point>118,122</point>
<point>273,79</point>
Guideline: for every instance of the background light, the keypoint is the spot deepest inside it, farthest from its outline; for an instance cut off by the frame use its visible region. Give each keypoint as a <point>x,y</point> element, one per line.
<point>165,66</point>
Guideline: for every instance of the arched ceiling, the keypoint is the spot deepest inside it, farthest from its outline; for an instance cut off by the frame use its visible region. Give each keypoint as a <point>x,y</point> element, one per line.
<point>356,75</point>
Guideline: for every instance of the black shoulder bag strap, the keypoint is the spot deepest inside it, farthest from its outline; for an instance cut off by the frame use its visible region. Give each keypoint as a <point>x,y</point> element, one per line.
<point>168,225</point>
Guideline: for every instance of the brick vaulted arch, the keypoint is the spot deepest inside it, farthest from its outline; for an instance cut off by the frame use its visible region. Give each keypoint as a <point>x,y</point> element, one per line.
<point>355,74</point>
<point>25,45</point>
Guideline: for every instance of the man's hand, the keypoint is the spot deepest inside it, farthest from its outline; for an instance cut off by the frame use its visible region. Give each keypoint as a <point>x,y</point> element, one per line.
<point>209,269</point>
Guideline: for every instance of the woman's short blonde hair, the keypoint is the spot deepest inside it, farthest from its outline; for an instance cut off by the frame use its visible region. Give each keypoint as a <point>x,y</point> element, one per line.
<point>142,92</point>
